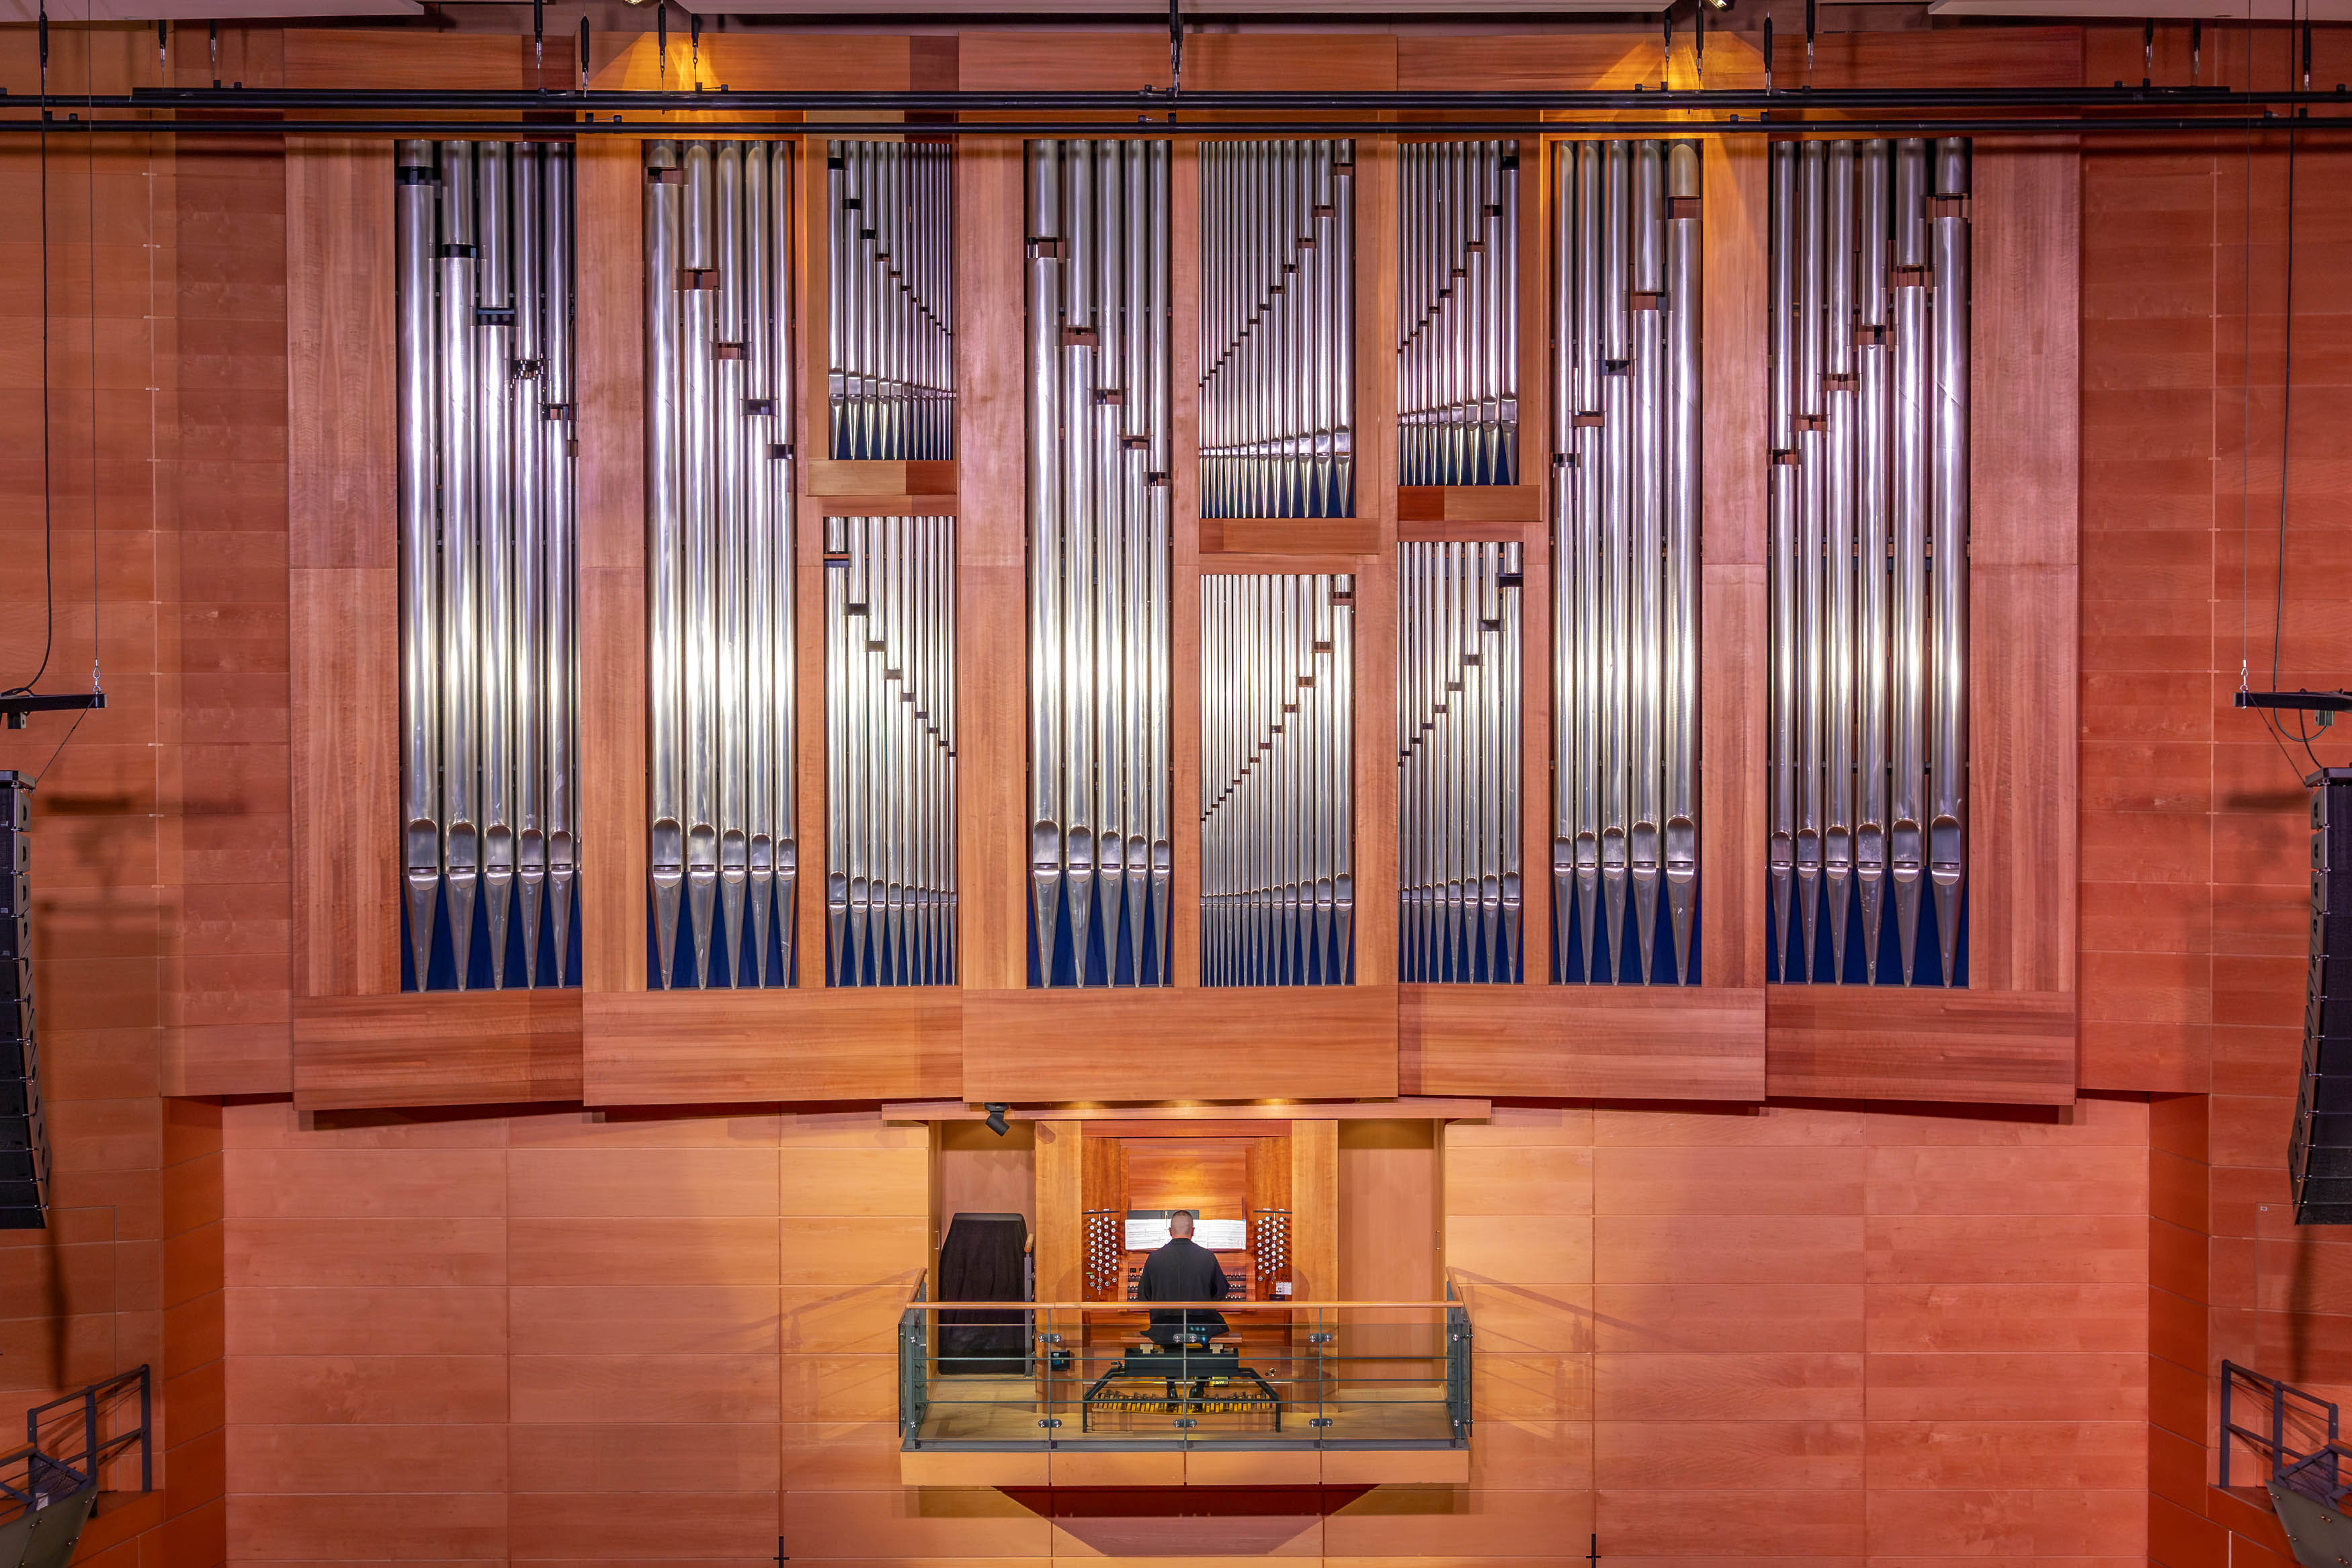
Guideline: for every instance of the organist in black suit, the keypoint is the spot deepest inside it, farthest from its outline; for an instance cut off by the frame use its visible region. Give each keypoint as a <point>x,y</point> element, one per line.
<point>1182,1271</point>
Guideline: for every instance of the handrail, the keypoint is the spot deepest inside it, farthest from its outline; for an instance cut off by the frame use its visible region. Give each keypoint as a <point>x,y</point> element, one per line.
<point>96,1451</point>
<point>1224,1306</point>
<point>2315,1474</point>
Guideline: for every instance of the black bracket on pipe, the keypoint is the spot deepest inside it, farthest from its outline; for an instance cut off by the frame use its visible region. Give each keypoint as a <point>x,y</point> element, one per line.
<point>16,704</point>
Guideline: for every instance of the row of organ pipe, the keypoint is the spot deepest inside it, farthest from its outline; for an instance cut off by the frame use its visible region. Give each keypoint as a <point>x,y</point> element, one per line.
<point>892,351</point>
<point>1277,329</point>
<point>1869,559</point>
<point>1868,514</point>
<point>889,733</point>
<point>1625,310</point>
<point>482,237</point>
<point>1458,313</point>
<point>722,845</point>
<point>1099,430</point>
<point>1278,780</point>
<point>1458,732</point>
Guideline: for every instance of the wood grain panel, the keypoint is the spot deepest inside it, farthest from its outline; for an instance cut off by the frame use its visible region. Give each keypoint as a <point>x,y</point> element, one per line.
<point>1007,61</point>
<point>1887,1042</point>
<point>1293,536</point>
<point>609,361</point>
<point>672,1048</point>
<point>1184,567</point>
<point>376,57</point>
<point>1295,62</point>
<point>1538,623</point>
<point>441,1048</point>
<point>1630,1042</point>
<point>991,583</point>
<point>1176,1044</point>
<point>2024,651</point>
<point>1061,1203</point>
<point>836,476</point>
<point>1505,504</point>
<point>343,600</point>
<point>1734,619</point>
<point>1315,1211</point>
<point>1377,246</point>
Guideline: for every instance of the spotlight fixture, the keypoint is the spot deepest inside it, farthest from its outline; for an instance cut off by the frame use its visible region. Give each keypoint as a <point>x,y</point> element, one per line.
<point>1718,4</point>
<point>996,1119</point>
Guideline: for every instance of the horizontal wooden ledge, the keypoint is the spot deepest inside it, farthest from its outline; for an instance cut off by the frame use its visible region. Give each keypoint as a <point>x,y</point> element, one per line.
<point>711,1047</point>
<point>1205,1464</point>
<point>437,1047</point>
<point>1925,1042</point>
<point>831,476</point>
<point>1403,1108</point>
<point>1584,1042</point>
<point>1290,537</point>
<point>1304,1042</point>
<point>1459,510</point>
<point>885,506</point>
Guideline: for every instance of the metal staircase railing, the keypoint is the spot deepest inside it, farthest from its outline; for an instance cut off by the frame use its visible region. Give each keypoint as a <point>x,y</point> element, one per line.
<point>68,1446</point>
<point>2317,1474</point>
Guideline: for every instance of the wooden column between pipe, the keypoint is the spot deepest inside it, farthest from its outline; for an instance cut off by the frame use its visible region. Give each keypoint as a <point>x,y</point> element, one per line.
<point>991,706</point>
<point>1375,679</point>
<point>1315,1210</point>
<point>1184,564</point>
<point>1061,1211</point>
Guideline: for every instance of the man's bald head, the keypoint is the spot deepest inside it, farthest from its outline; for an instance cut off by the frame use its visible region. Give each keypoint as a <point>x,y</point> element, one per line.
<point>1180,1224</point>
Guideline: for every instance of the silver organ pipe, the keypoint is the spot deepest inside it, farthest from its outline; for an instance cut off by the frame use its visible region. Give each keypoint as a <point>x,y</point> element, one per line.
<point>1625,312</point>
<point>891,317</point>
<point>1869,559</point>
<point>482,236</point>
<point>722,831</point>
<point>1457,312</point>
<point>1099,508</point>
<point>1278,321</point>
<point>1277,782</point>
<point>890,651</point>
<point>1458,768</point>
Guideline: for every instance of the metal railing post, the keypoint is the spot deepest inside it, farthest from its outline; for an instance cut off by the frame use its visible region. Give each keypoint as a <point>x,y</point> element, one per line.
<point>146,1430</point>
<point>2229,1383</point>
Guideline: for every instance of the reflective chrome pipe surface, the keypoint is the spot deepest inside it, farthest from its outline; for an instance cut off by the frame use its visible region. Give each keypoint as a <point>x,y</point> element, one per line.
<point>1278,792</point>
<point>891,321</point>
<point>1625,313</point>
<point>1458,766</point>
<point>889,639</point>
<point>1277,315</point>
<point>1457,318</point>
<point>719,518</point>
<point>482,241</point>
<point>1869,559</point>
<point>1098,434</point>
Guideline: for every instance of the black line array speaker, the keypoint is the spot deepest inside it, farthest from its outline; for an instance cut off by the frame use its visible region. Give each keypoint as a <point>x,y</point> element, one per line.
<point>24,1142</point>
<point>2319,1157</point>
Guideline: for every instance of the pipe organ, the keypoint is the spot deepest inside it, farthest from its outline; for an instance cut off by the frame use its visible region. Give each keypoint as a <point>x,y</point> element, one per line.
<point>720,553</point>
<point>889,730</point>
<point>1100,514</point>
<point>1869,337</point>
<point>1457,313</point>
<point>1458,720</point>
<point>482,235</point>
<point>892,306</point>
<point>1625,312</point>
<point>1277,329</point>
<point>1277,782</point>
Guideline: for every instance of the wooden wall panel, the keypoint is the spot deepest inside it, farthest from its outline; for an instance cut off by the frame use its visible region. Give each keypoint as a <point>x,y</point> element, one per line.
<point>609,365</point>
<point>700,1047</point>
<point>454,1047</point>
<point>375,57</point>
<point>1375,674</point>
<point>342,538</point>
<point>1315,1211</point>
<point>1333,1041</point>
<point>1636,1042</point>
<point>991,567</point>
<point>1927,1043</point>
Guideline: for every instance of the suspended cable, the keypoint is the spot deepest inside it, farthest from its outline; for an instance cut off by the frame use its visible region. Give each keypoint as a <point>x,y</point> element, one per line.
<point>49,497</point>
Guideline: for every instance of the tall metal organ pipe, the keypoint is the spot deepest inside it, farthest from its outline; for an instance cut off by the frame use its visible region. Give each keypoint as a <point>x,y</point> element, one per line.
<point>1277,329</point>
<point>1625,315</point>
<point>1459,764</point>
<point>1278,780</point>
<point>721,826</point>
<point>891,313</point>
<point>889,715</point>
<point>482,242</point>
<point>1100,506</point>
<point>1457,312</point>
<point>1869,560</point>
